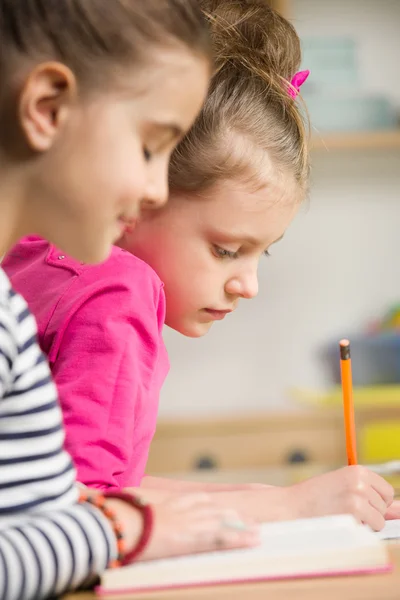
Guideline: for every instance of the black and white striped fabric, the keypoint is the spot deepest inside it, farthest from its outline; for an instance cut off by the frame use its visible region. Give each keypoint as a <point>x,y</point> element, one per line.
<point>48,543</point>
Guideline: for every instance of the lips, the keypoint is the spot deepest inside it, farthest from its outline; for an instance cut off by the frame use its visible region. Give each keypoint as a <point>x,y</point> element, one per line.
<point>127,224</point>
<point>217,315</point>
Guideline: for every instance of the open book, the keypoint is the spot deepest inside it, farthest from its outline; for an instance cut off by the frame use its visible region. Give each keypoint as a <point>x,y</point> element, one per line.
<point>318,547</point>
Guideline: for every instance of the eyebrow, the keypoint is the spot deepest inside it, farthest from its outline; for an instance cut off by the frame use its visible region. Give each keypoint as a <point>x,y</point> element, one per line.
<point>248,238</point>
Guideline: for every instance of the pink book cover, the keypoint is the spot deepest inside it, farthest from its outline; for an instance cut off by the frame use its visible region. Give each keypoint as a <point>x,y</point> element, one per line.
<point>310,575</point>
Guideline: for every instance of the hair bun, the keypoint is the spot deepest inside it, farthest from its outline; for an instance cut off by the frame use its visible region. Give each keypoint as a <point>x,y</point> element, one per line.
<point>251,36</point>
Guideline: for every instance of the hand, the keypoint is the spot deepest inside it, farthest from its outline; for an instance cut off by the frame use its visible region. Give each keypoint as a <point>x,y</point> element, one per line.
<point>354,490</point>
<point>187,524</point>
<point>194,523</point>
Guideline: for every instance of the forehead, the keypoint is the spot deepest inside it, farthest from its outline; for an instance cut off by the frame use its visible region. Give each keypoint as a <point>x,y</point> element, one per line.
<point>159,78</point>
<point>169,85</point>
<point>264,213</point>
<point>276,192</point>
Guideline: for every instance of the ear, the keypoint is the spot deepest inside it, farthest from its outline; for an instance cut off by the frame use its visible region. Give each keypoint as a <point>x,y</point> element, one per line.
<point>45,103</point>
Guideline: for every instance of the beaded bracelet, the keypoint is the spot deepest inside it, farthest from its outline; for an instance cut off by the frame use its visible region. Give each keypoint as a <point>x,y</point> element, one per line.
<point>148,521</point>
<point>100,502</point>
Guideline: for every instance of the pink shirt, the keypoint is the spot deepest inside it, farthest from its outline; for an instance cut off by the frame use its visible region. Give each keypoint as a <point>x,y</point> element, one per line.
<point>101,327</point>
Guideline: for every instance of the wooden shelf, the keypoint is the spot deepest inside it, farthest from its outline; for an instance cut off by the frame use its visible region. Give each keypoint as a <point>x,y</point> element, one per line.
<point>369,140</point>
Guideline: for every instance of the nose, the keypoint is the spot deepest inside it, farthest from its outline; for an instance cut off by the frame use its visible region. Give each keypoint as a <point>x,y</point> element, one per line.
<point>156,193</point>
<point>243,285</point>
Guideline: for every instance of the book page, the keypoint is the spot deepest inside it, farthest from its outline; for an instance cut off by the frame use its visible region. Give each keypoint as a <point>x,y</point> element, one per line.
<point>391,531</point>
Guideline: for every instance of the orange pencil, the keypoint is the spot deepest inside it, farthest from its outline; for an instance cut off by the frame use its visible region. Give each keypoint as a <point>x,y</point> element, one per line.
<point>348,403</point>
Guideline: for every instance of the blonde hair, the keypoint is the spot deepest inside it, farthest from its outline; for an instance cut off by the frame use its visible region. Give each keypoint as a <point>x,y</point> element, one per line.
<point>257,52</point>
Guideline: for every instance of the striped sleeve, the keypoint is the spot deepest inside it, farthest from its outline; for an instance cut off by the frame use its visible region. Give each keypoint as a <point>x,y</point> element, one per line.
<point>52,554</point>
<point>49,544</point>
<point>7,350</point>
<point>36,474</point>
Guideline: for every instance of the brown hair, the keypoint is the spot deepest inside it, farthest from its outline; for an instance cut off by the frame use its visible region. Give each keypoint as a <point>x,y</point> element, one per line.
<point>81,32</point>
<point>256,52</point>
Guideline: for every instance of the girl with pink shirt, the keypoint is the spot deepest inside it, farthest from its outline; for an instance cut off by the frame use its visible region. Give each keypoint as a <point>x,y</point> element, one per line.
<point>237,181</point>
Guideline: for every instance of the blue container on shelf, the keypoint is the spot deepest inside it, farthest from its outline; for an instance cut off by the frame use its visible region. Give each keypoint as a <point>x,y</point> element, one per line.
<point>332,61</point>
<point>375,359</point>
<point>332,93</point>
<point>340,113</point>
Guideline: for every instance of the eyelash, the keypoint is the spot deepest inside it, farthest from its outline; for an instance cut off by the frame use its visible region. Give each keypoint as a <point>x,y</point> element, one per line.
<point>223,253</point>
<point>147,154</point>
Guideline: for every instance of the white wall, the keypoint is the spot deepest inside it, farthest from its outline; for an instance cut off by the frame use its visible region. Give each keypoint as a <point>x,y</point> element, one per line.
<point>337,268</point>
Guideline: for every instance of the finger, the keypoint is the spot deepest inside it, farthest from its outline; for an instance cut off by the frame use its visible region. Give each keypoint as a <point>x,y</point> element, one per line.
<point>224,540</point>
<point>372,517</point>
<point>228,540</point>
<point>393,511</point>
<point>382,487</point>
<point>231,518</point>
<point>376,501</point>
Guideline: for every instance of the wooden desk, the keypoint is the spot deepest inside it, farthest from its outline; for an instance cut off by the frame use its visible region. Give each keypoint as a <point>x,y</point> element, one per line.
<point>371,587</point>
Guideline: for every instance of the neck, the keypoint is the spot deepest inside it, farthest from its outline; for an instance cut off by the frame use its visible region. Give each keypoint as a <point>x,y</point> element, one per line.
<point>12,218</point>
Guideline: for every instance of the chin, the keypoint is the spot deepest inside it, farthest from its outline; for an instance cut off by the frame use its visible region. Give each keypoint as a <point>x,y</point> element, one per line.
<point>192,330</point>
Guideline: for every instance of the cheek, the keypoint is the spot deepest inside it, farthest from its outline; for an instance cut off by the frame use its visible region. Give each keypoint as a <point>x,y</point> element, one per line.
<point>116,165</point>
<point>128,173</point>
<point>182,264</point>
<point>180,287</point>
<point>191,291</point>
<point>184,287</point>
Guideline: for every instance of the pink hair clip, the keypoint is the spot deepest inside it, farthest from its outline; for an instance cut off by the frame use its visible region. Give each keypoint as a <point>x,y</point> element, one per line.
<point>297,82</point>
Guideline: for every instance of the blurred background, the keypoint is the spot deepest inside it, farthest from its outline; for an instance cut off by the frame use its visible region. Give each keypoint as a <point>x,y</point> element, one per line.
<point>260,390</point>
